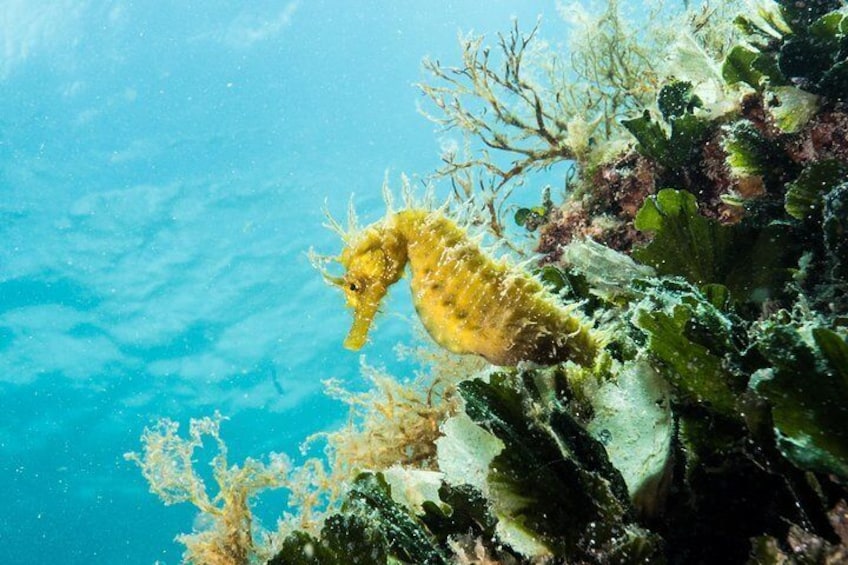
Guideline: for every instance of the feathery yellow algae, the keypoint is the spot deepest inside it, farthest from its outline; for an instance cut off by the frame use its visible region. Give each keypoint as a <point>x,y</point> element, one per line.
<point>468,302</point>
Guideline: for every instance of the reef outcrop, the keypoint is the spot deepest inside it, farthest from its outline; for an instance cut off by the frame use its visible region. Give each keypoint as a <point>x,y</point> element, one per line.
<point>702,234</point>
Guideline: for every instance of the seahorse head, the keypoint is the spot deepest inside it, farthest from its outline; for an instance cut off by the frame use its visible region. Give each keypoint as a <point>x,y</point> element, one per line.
<point>373,261</point>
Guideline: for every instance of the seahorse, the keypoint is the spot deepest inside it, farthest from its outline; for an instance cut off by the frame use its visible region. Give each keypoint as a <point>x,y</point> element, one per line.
<point>467,301</point>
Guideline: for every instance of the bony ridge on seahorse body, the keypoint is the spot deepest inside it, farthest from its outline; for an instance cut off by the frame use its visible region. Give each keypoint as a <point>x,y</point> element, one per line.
<point>467,302</point>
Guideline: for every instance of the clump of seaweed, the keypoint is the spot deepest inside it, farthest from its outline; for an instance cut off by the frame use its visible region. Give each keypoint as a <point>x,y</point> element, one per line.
<point>167,462</point>
<point>528,106</point>
<point>778,119</point>
<point>396,422</point>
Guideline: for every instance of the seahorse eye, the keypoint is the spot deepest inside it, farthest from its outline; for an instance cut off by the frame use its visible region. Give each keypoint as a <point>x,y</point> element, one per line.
<point>353,287</point>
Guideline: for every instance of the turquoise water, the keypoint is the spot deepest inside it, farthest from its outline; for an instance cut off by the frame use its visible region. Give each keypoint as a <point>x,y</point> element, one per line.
<point>163,168</point>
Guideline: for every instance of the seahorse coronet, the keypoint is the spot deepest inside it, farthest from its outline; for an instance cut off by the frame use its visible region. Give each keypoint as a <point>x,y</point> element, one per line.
<point>468,301</point>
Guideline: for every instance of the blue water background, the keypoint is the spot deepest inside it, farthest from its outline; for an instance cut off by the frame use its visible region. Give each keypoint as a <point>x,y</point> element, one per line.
<point>163,168</point>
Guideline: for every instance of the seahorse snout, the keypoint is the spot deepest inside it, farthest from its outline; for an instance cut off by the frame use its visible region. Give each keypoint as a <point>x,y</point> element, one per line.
<point>364,311</point>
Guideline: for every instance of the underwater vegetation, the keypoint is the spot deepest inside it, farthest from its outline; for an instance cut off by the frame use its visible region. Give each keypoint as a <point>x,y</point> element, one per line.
<point>168,463</point>
<point>670,379</point>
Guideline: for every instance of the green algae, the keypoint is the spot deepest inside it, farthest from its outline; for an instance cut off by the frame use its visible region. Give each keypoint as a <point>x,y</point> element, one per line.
<point>805,195</point>
<point>752,262</point>
<point>674,149</point>
<point>807,387</point>
<point>552,482</point>
<point>343,539</point>
<point>811,51</point>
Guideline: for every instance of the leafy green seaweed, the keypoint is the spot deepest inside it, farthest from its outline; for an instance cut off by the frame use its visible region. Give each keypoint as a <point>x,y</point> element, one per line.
<point>749,153</point>
<point>695,373</point>
<point>345,539</point>
<point>791,108</point>
<point>553,482</point>
<point>671,150</point>
<point>685,243</point>
<point>800,15</point>
<point>835,233</point>
<point>813,56</point>
<point>810,53</point>
<point>753,263</point>
<point>730,490</point>
<point>653,141</point>
<point>697,344</point>
<point>808,390</point>
<point>804,195</point>
<point>299,548</point>
<point>739,66</point>
<point>407,538</point>
<point>531,218</point>
<point>677,99</point>
<point>468,512</point>
<point>370,529</point>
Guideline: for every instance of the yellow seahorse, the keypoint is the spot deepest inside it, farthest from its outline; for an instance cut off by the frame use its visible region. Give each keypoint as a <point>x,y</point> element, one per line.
<point>468,302</point>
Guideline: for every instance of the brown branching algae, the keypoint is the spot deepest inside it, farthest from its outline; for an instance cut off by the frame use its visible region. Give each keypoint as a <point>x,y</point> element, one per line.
<point>703,235</point>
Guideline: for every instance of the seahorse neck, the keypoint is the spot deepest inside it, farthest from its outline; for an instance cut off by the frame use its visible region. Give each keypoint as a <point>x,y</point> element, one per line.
<point>406,224</point>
